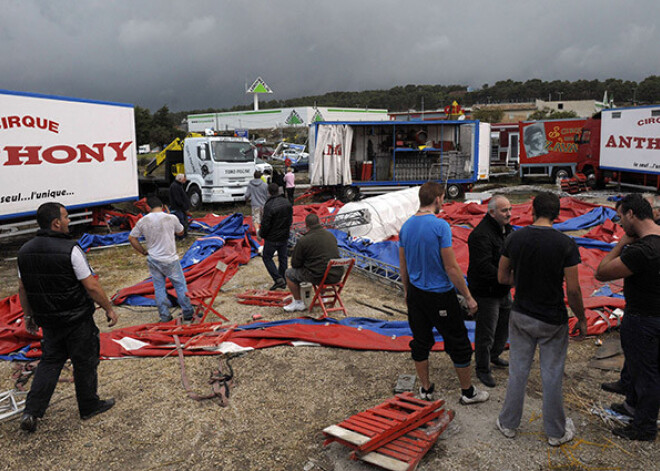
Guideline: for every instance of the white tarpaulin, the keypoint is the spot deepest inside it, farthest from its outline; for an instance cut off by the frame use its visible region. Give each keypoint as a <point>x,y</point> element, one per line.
<point>332,155</point>
<point>388,213</point>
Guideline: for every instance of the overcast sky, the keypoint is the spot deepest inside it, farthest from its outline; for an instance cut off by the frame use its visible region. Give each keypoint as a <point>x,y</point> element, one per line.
<point>197,54</point>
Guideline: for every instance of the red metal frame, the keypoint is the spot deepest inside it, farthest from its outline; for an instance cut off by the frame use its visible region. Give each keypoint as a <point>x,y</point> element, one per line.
<point>327,295</point>
<point>264,298</point>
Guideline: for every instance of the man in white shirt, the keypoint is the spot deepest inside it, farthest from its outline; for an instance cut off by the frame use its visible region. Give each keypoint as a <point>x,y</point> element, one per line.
<point>158,229</point>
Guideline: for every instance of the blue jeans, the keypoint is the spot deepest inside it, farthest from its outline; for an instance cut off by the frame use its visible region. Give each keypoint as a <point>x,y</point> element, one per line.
<point>159,272</point>
<point>640,339</point>
<point>276,273</point>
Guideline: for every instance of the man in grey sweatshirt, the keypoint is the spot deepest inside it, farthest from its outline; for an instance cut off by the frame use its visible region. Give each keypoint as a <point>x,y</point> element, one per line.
<point>257,193</point>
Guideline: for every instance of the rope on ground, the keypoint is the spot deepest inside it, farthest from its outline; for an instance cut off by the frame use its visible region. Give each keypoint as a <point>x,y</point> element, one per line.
<point>220,382</point>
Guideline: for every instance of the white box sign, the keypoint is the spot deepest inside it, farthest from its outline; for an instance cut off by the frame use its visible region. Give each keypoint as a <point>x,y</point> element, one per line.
<point>78,153</point>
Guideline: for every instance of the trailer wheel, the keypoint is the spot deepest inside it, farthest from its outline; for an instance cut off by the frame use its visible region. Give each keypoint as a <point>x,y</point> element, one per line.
<point>561,173</point>
<point>454,191</point>
<point>348,194</point>
<point>195,196</point>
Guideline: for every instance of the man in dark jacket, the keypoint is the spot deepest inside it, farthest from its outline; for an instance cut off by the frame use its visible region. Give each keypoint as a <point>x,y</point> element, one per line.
<point>275,227</point>
<point>57,291</point>
<point>179,202</point>
<point>310,260</point>
<point>492,327</point>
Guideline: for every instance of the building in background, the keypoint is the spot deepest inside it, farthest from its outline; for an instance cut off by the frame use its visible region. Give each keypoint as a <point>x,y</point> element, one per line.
<point>280,117</point>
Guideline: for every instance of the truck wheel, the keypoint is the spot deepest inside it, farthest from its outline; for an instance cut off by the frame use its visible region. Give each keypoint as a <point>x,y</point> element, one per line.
<point>561,173</point>
<point>348,194</point>
<point>454,191</point>
<point>195,196</point>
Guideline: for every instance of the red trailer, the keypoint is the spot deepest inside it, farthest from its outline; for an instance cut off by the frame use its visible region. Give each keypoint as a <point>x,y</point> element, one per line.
<point>549,148</point>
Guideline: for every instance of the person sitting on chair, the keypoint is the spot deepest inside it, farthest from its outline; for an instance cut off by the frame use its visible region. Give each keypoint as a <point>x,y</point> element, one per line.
<point>310,259</point>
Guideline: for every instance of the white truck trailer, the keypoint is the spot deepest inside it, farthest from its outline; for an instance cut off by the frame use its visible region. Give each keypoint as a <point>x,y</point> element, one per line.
<point>80,153</point>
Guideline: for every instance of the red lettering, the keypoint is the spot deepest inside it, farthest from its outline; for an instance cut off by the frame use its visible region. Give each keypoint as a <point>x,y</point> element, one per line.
<point>49,154</point>
<point>63,154</point>
<point>625,141</point>
<point>333,150</point>
<point>15,155</point>
<point>28,121</point>
<point>653,143</point>
<point>639,141</point>
<point>120,148</point>
<point>611,142</point>
<point>85,151</point>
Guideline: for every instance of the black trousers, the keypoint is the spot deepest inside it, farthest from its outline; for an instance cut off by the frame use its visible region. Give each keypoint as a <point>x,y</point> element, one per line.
<point>427,310</point>
<point>289,193</point>
<point>80,343</point>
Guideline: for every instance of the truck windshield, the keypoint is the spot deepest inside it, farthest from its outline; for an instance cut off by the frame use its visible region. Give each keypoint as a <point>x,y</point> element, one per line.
<point>232,151</point>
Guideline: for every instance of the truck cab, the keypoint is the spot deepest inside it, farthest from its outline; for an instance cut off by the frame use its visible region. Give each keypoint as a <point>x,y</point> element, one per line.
<point>218,168</point>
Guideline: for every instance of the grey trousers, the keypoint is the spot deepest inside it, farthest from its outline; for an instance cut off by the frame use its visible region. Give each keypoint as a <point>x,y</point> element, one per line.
<point>525,333</point>
<point>491,330</point>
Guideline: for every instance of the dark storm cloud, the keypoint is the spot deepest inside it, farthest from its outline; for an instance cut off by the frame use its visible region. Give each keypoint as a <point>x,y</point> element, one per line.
<point>199,54</point>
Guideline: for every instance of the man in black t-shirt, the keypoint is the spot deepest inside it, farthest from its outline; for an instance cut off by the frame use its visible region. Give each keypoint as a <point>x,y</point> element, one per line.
<point>537,259</point>
<point>636,259</point>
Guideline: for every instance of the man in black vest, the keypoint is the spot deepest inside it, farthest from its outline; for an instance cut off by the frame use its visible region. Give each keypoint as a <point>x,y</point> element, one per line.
<point>57,291</point>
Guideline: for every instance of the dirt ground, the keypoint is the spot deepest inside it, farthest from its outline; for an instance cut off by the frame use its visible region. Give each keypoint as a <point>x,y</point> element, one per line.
<point>284,396</point>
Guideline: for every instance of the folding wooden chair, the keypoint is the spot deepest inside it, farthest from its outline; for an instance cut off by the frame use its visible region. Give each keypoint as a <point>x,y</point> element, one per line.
<point>326,294</point>
<point>204,298</point>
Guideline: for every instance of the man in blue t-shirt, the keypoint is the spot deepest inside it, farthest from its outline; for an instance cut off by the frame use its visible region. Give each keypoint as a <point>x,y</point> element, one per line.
<point>429,272</point>
<point>537,259</point>
<point>636,259</point>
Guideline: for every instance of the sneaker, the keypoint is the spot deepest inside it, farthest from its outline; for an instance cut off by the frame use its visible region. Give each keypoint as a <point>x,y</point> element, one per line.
<point>507,432</point>
<point>28,422</point>
<point>477,396</point>
<point>427,394</point>
<point>614,387</point>
<point>104,406</point>
<point>499,363</point>
<point>168,319</point>
<point>569,433</point>
<point>629,433</point>
<point>296,305</point>
<point>486,379</point>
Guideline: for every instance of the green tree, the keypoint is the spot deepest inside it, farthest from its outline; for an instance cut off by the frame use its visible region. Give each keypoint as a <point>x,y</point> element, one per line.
<point>488,115</point>
<point>142,125</point>
<point>547,113</point>
<point>648,90</point>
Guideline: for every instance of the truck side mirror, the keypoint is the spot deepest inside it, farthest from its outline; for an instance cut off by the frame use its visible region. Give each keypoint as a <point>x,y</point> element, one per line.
<point>201,153</point>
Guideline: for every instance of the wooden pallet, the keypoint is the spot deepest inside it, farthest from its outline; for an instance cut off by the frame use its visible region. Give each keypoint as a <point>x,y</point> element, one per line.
<point>394,435</point>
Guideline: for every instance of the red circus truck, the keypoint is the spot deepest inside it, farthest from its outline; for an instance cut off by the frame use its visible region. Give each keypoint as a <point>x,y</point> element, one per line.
<point>622,145</point>
<point>549,148</point>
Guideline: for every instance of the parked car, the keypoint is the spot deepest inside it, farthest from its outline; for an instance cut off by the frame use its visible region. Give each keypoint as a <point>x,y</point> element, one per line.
<point>291,154</point>
<point>262,166</point>
<point>301,165</point>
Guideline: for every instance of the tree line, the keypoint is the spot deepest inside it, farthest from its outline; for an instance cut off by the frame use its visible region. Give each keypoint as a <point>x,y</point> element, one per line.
<point>161,127</point>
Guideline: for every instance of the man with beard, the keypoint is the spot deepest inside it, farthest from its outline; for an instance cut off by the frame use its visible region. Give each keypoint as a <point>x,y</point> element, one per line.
<point>636,259</point>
